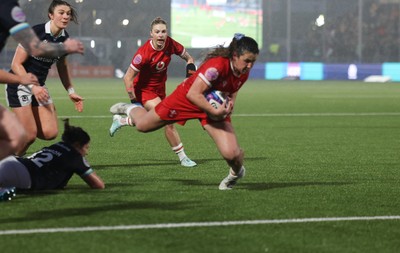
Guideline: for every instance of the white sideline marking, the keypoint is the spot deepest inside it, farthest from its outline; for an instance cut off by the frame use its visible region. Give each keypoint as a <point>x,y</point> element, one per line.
<point>333,114</point>
<point>193,224</point>
<point>339,114</point>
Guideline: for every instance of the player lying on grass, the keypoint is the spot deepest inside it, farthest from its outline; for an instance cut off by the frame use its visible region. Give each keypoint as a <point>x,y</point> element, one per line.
<point>224,69</point>
<point>51,167</point>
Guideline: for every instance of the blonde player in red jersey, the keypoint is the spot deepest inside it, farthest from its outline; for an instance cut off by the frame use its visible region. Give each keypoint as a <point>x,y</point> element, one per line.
<point>146,77</point>
<point>224,69</point>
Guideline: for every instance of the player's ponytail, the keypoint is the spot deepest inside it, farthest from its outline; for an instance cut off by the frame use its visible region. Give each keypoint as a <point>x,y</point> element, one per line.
<point>241,44</point>
<point>74,135</point>
<point>238,46</point>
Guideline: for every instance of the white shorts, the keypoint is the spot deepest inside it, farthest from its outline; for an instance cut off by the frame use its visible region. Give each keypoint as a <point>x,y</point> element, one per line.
<point>14,173</point>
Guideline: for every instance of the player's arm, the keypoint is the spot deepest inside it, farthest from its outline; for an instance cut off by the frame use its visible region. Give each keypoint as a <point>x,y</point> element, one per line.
<point>196,96</point>
<point>128,81</point>
<point>20,56</point>
<point>6,77</point>
<point>94,181</point>
<point>29,40</point>
<point>190,66</point>
<point>62,68</point>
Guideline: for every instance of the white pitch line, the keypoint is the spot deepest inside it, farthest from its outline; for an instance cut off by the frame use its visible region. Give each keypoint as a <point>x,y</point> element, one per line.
<point>333,114</point>
<point>339,114</point>
<point>193,224</point>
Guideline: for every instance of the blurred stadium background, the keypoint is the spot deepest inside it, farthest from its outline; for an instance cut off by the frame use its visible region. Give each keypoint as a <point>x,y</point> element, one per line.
<point>299,39</point>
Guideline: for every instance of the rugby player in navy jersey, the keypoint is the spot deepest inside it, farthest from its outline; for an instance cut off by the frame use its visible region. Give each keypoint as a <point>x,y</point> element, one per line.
<point>51,167</point>
<point>32,104</point>
<point>13,23</point>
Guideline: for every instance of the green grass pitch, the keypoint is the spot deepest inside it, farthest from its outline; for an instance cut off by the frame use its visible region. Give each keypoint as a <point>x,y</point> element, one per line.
<point>326,150</point>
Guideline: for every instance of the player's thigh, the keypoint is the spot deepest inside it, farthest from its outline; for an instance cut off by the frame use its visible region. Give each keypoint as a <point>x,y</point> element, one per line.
<point>150,104</point>
<point>46,120</point>
<point>225,138</point>
<point>26,119</point>
<point>10,126</point>
<point>149,122</point>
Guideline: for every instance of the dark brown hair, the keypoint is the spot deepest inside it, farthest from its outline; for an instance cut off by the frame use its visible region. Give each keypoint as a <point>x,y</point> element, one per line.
<point>55,3</point>
<point>239,45</point>
<point>74,135</point>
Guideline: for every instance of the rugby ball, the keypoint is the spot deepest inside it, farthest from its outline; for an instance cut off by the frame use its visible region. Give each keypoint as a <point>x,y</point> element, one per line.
<point>215,98</point>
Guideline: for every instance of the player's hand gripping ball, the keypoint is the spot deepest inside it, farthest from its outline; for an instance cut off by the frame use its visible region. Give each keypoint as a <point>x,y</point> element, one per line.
<point>216,98</point>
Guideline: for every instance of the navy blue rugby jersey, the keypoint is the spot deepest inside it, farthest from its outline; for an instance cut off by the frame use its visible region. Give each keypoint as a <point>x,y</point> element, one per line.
<point>40,66</point>
<point>12,20</point>
<point>52,167</point>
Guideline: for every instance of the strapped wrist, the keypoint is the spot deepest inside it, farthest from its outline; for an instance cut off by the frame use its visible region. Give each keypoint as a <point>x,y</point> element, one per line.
<point>71,91</point>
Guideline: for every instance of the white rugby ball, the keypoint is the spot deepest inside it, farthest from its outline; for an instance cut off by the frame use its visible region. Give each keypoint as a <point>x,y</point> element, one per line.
<point>215,98</point>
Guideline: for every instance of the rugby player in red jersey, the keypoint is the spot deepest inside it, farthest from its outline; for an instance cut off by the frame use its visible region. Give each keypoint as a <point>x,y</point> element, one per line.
<point>224,69</point>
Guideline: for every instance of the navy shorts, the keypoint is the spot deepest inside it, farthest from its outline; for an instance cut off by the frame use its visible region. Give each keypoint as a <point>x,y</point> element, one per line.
<point>21,95</point>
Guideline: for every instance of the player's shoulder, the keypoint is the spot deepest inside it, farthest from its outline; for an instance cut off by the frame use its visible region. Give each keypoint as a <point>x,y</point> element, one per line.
<point>39,29</point>
<point>218,62</point>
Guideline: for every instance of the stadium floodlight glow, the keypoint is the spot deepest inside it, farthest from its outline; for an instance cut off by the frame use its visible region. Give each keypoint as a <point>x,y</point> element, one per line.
<point>139,42</point>
<point>98,21</point>
<point>125,22</point>
<point>78,1</point>
<point>119,44</point>
<point>320,21</point>
<point>92,44</point>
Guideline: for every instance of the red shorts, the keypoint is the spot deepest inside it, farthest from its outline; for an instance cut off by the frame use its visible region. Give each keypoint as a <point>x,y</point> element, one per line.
<point>149,93</point>
<point>181,110</point>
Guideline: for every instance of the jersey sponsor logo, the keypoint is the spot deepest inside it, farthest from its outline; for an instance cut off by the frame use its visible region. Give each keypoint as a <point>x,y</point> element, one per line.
<point>137,59</point>
<point>211,74</point>
<point>160,66</point>
<point>172,113</point>
<point>18,15</point>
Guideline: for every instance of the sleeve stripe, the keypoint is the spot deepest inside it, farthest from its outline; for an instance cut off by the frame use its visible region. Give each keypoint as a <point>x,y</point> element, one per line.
<point>87,173</point>
<point>18,28</point>
<point>205,79</point>
<point>134,68</point>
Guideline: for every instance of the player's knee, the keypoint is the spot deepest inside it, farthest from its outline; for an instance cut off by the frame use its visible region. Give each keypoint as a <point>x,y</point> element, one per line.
<point>234,155</point>
<point>48,134</point>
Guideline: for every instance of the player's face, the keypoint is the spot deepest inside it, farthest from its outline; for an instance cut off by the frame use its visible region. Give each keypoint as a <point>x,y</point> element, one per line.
<point>61,16</point>
<point>158,35</point>
<point>84,150</point>
<point>243,63</point>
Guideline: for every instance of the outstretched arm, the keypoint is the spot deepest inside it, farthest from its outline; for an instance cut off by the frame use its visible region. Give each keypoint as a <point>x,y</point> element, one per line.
<point>94,181</point>
<point>25,79</point>
<point>62,67</point>
<point>29,40</point>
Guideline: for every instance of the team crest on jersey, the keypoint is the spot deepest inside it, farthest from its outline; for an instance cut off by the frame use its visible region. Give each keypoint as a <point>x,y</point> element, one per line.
<point>137,59</point>
<point>211,74</point>
<point>160,66</point>
<point>172,113</point>
<point>17,14</point>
